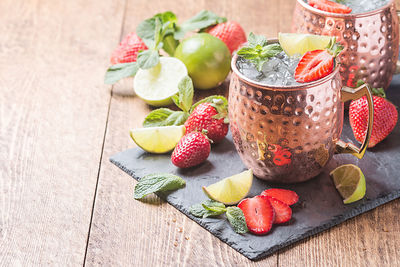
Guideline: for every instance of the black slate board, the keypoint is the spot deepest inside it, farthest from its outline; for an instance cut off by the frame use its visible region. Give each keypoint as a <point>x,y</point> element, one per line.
<point>320,205</point>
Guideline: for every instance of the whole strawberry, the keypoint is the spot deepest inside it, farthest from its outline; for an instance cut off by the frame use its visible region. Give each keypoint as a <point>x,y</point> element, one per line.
<point>210,117</point>
<point>128,49</point>
<point>231,33</point>
<point>385,118</point>
<point>192,149</point>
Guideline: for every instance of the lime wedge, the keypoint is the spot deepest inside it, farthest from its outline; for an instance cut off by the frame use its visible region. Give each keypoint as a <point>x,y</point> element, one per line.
<point>158,140</point>
<point>297,43</point>
<point>156,85</point>
<point>232,189</point>
<point>350,182</point>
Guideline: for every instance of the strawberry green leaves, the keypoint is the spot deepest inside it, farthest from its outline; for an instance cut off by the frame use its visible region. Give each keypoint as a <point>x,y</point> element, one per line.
<point>211,208</point>
<point>158,182</point>
<point>258,50</point>
<point>120,71</point>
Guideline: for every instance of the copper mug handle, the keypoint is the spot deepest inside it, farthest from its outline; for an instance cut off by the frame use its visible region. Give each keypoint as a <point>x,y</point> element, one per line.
<point>397,71</point>
<point>347,94</point>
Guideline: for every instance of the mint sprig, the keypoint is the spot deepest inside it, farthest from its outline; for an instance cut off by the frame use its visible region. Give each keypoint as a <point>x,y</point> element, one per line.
<point>211,208</point>
<point>157,182</point>
<point>183,100</point>
<point>119,71</point>
<point>258,51</point>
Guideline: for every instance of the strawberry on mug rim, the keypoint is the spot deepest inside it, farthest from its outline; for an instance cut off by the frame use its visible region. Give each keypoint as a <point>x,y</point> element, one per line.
<point>330,6</point>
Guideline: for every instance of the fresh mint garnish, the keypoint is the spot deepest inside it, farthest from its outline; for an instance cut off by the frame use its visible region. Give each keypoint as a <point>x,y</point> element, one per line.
<point>183,100</point>
<point>211,208</point>
<point>236,219</point>
<point>119,71</point>
<point>258,51</point>
<point>157,182</point>
<point>208,208</point>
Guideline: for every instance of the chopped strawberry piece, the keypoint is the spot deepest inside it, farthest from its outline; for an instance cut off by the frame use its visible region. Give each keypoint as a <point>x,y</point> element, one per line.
<point>259,214</point>
<point>329,6</point>
<point>283,212</point>
<point>313,66</point>
<point>288,197</point>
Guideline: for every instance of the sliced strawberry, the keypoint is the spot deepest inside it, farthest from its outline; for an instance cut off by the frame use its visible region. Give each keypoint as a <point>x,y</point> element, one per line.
<point>288,197</point>
<point>313,66</point>
<point>283,212</point>
<point>259,214</point>
<point>329,6</point>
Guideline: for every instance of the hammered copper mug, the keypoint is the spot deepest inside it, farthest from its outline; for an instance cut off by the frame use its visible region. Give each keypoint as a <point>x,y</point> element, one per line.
<point>370,39</point>
<point>288,134</point>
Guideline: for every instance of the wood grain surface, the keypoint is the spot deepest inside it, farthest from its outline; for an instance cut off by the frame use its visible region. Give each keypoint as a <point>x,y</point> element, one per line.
<point>63,204</point>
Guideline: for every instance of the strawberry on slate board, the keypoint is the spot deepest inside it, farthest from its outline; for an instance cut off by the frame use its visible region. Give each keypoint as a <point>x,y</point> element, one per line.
<point>385,117</point>
<point>211,117</point>
<point>317,64</point>
<point>231,33</point>
<point>330,6</point>
<point>259,214</point>
<point>283,212</point>
<point>288,197</point>
<point>128,49</point>
<point>192,149</point>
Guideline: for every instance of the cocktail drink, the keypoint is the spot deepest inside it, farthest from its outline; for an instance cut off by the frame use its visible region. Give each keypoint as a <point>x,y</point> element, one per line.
<point>284,128</point>
<point>368,30</point>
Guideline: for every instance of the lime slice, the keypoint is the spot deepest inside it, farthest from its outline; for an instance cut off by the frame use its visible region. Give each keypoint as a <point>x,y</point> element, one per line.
<point>156,85</point>
<point>297,43</point>
<point>350,182</point>
<point>232,189</point>
<point>158,139</point>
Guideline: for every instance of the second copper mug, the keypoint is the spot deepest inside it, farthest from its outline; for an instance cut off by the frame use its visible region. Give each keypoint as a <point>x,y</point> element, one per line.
<point>288,134</point>
<point>371,40</point>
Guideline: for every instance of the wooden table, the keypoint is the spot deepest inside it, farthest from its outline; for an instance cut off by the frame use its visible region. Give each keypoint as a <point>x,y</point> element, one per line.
<point>62,203</point>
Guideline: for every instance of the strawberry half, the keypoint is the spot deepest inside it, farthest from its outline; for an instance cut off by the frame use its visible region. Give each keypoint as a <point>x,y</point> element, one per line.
<point>330,6</point>
<point>385,117</point>
<point>283,212</point>
<point>128,49</point>
<point>230,32</point>
<point>317,64</point>
<point>288,197</point>
<point>191,150</point>
<point>259,214</point>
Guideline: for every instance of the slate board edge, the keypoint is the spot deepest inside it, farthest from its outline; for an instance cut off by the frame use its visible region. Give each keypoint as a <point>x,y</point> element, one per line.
<point>339,219</point>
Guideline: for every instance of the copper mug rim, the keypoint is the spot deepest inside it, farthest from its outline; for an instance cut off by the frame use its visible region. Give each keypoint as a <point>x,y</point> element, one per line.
<point>336,15</point>
<point>297,87</point>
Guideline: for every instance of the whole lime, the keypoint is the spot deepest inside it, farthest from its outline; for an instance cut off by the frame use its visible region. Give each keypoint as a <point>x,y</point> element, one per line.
<point>207,59</point>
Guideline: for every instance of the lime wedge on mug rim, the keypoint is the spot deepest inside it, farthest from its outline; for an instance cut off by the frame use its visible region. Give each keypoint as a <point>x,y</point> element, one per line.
<point>298,43</point>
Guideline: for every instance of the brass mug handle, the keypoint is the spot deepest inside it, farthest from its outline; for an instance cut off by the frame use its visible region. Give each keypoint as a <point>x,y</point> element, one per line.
<point>347,94</point>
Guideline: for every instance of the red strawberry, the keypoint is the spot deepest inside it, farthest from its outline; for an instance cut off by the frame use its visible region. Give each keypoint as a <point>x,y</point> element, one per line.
<point>128,49</point>
<point>283,212</point>
<point>329,6</point>
<point>288,197</point>
<point>206,117</point>
<point>231,33</point>
<point>259,214</point>
<point>191,150</point>
<point>385,118</point>
<point>317,64</point>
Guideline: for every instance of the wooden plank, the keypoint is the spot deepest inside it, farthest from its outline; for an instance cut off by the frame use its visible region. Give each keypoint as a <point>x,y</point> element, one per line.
<point>128,232</point>
<point>53,112</point>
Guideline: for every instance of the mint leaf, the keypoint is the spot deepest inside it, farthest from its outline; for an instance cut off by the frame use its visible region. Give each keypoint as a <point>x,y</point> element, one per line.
<point>199,22</point>
<point>147,59</point>
<point>119,71</point>
<point>236,219</point>
<point>255,40</point>
<point>157,182</point>
<point>176,118</point>
<point>208,208</point>
<point>165,117</point>
<point>184,98</point>
<point>258,51</point>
